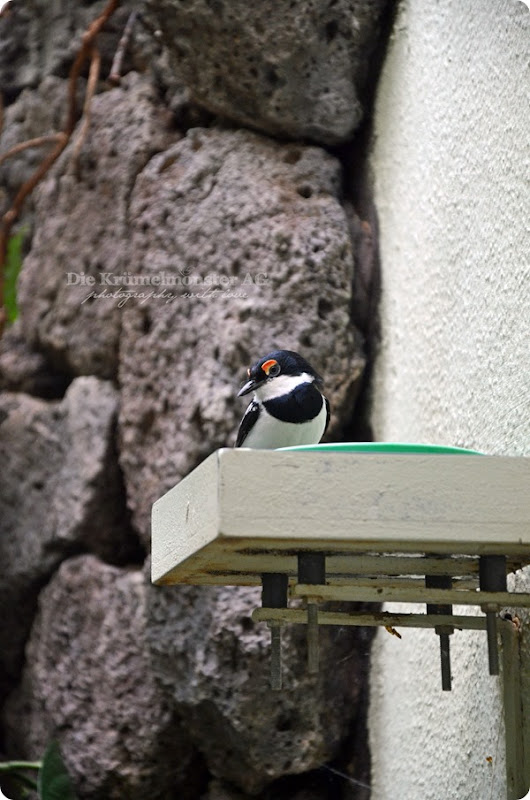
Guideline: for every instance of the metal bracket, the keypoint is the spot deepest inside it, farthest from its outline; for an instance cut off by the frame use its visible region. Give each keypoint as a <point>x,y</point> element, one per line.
<point>439,592</point>
<point>274,596</point>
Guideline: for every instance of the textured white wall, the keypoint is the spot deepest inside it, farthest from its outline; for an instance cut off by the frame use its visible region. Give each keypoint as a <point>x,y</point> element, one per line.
<point>451,164</point>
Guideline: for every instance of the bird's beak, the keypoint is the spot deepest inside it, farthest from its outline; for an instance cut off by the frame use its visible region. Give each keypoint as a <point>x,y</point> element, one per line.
<point>249,387</point>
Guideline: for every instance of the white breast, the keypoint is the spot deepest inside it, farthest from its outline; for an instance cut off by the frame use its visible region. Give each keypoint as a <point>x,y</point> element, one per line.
<point>269,433</point>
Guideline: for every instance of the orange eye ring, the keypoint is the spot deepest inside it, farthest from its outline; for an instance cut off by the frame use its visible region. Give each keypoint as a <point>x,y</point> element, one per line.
<point>271,368</point>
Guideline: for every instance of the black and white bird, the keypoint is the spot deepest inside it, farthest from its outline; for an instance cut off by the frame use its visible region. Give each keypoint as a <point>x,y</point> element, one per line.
<point>288,408</point>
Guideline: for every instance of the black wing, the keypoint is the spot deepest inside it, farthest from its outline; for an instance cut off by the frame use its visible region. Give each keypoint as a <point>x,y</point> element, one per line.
<point>247,423</point>
<point>328,415</point>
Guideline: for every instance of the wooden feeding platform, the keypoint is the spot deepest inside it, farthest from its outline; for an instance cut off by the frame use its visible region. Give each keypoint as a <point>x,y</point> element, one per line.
<point>413,524</point>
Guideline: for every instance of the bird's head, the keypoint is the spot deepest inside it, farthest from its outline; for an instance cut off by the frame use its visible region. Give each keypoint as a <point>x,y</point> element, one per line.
<point>277,374</point>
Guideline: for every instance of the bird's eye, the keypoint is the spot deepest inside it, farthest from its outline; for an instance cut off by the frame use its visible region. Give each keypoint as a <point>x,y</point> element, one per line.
<point>271,368</point>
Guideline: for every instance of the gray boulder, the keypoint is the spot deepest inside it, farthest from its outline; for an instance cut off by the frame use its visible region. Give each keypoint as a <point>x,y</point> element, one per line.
<point>88,683</point>
<point>38,39</point>
<point>251,250</point>
<point>25,370</point>
<point>134,681</point>
<point>214,663</point>
<point>35,113</point>
<point>61,492</point>
<point>77,236</point>
<point>291,69</point>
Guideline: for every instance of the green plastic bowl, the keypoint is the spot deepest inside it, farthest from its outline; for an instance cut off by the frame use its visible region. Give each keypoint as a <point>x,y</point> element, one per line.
<point>385,447</point>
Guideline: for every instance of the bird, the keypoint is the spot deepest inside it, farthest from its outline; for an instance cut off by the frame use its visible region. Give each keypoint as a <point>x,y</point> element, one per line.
<point>288,407</point>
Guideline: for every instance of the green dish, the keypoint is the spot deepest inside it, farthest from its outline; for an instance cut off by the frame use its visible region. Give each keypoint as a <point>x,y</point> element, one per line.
<point>385,447</point>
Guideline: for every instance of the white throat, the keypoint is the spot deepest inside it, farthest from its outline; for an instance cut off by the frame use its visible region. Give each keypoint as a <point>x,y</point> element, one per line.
<point>282,385</point>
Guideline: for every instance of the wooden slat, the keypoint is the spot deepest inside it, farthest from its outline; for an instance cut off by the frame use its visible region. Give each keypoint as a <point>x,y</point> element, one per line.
<point>383,619</point>
<point>420,594</point>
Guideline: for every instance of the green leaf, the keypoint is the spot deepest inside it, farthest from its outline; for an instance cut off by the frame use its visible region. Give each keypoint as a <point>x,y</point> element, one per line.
<point>17,786</point>
<point>54,781</point>
<point>11,272</point>
<point>13,780</point>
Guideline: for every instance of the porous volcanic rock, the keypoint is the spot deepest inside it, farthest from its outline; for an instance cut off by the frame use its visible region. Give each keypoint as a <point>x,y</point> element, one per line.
<point>77,235</point>
<point>88,683</point>
<point>38,39</point>
<point>254,238</point>
<point>289,68</point>
<point>35,113</point>
<point>61,492</point>
<point>25,370</point>
<point>214,662</point>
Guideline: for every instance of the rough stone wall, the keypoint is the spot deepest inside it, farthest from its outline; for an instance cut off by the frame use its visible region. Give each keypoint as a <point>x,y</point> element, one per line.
<point>450,164</point>
<point>109,396</point>
<point>294,69</point>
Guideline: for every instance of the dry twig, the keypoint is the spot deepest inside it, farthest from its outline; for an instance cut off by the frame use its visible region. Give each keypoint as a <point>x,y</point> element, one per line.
<point>117,62</point>
<point>93,75</point>
<point>87,50</point>
<point>40,141</point>
<point>87,40</point>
